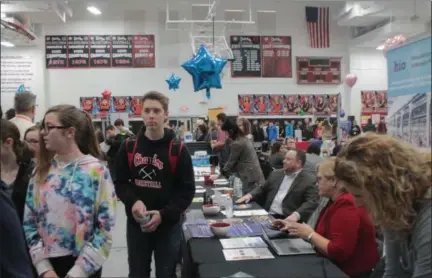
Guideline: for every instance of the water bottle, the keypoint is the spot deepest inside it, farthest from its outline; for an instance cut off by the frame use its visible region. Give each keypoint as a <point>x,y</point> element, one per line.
<point>229,212</point>
<point>238,188</point>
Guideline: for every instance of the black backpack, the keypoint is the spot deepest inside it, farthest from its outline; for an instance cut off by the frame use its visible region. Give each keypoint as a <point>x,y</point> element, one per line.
<point>266,168</point>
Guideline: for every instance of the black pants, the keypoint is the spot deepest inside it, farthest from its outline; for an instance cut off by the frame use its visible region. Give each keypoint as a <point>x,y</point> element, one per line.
<point>62,265</point>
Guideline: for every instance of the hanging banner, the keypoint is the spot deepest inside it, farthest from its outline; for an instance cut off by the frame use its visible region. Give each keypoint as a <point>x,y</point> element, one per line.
<point>275,104</point>
<point>260,106</point>
<point>245,103</point>
<point>409,93</point>
<point>291,106</point>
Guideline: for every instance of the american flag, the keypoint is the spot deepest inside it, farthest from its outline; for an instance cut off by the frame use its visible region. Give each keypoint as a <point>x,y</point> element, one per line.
<point>317,20</point>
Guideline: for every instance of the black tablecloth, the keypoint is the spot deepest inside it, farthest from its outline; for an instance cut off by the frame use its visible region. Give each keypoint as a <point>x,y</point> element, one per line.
<point>203,257</point>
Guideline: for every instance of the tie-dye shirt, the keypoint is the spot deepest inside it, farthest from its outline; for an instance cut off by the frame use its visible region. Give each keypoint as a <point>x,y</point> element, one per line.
<point>71,214</point>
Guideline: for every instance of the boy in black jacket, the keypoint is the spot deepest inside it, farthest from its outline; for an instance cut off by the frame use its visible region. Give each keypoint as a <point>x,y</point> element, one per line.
<point>155,179</point>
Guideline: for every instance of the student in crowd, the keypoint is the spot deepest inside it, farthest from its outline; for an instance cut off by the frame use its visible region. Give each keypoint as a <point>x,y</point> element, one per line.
<point>204,133</point>
<point>355,129</point>
<point>290,143</point>
<point>123,131</point>
<point>155,179</point>
<point>14,258</point>
<point>221,146</point>
<point>393,181</point>
<point>273,133</point>
<point>69,215</point>
<point>25,109</point>
<point>289,193</point>
<point>370,127</point>
<point>245,127</point>
<point>344,232</point>
<point>114,139</point>
<point>31,137</point>
<point>313,157</point>
<point>16,165</point>
<point>10,114</point>
<point>277,155</point>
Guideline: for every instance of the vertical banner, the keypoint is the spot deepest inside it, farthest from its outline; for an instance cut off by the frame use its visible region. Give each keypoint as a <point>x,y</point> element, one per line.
<point>56,52</point>
<point>321,107</point>
<point>334,102</point>
<point>247,55</point>
<point>143,51</point>
<point>381,102</point>
<point>121,104</point>
<point>100,51</point>
<point>86,104</point>
<point>121,56</point>
<point>275,104</point>
<point>291,105</point>
<point>368,102</point>
<point>245,103</point>
<point>135,107</point>
<point>409,93</point>
<point>78,51</point>
<point>260,106</point>
<point>306,104</point>
<point>276,56</point>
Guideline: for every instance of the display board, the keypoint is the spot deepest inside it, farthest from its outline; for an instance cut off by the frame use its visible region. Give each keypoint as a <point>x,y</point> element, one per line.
<point>261,56</point>
<point>288,105</point>
<point>318,70</point>
<point>100,51</point>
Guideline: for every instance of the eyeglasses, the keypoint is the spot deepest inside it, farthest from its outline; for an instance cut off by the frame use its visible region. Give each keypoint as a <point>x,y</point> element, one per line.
<point>47,129</point>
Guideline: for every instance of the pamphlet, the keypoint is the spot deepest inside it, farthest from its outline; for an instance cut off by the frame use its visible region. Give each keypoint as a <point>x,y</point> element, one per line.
<point>243,242</point>
<point>198,200</point>
<point>200,190</point>
<point>252,212</point>
<point>247,254</point>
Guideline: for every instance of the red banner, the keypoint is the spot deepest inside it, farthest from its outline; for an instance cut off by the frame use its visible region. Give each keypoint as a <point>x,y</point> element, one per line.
<point>276,56</point>
<point>276,104</point>
<point>245,103</point>
<point>291,105</point>
<point>368,102</point>
<point>143,51</point>
<point>305,103</point>
<point>135,107</point>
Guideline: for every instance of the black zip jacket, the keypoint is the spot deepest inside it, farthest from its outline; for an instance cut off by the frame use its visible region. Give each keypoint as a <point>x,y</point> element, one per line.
<point>151,178</point>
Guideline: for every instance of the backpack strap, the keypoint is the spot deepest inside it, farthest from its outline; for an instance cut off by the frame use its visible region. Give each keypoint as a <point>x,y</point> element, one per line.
<point>174,151</point>
<point>130,155</point>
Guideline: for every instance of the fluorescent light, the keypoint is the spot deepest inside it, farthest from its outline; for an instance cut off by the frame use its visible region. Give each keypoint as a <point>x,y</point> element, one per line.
<point>94,10</point>
<point>7,44</point>
<point>380,47</point>
<point>234,11</point>
<point>3,15</point>
<point>266,11</point>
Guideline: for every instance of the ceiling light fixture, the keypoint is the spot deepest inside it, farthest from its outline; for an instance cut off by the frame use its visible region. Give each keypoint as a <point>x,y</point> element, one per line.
<point>7,44</point>
<point>380,47</point>
<point>94,10</point>
<point>266,11</point>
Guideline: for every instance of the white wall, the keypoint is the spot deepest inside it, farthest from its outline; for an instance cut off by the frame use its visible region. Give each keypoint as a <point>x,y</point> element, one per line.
<point>173,48</point>
<point>33,78</point>
<point>370,66</point>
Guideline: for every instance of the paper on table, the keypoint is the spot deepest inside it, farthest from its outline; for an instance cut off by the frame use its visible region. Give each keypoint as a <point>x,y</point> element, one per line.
<point>200,190</point>
<point>198,187</point>
<point>198,200</point>
<point>253,212</point>
<point>247,254</point>
<point>246,242</point>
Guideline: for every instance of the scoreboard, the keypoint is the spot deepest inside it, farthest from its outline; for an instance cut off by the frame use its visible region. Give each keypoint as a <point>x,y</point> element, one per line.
<point>318,70</point>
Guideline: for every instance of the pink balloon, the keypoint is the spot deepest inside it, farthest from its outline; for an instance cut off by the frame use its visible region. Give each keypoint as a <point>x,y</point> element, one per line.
<point>351,79</point>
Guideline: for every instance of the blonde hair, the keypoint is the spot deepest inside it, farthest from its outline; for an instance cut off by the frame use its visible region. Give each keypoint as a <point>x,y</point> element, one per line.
<point>388,176</point>
<point>327,168</point>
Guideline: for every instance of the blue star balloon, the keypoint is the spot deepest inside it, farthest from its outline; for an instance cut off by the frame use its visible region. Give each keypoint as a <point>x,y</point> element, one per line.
<point>173,82</point>
<point>205,70</point>
<point>21,89</point>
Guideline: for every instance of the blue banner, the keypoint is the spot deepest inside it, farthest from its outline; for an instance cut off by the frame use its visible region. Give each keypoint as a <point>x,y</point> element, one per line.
<point>409,69</point>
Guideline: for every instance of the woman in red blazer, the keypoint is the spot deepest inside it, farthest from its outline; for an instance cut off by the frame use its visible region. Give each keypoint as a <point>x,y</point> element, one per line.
<point>344,232</point>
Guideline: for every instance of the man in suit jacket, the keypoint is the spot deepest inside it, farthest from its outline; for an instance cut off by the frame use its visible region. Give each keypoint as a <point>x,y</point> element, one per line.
<point>289,193</point>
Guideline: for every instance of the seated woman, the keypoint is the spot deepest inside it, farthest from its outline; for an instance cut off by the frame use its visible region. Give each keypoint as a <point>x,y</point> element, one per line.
<point>393,181</point>
<point>344,232</point>
<point>277,156</point>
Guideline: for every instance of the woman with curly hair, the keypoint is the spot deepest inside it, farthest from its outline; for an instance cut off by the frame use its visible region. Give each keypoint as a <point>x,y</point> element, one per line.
<point>393,181</point>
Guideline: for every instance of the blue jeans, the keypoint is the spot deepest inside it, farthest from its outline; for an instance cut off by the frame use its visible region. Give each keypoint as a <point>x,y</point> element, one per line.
<point>164,242</point>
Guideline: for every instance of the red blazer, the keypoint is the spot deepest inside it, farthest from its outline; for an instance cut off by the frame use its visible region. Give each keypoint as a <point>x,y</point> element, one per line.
<point>352,245</point>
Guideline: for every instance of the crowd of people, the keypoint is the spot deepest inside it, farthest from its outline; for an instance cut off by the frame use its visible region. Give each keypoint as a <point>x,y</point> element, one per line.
<point>59,192</point>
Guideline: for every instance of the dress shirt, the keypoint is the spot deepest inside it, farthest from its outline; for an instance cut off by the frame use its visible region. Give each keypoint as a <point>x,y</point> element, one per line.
<point>22,123</point>
<point>276,206</point>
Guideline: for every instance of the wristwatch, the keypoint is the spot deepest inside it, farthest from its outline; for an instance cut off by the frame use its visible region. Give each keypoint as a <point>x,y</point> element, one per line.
<point>309,238</point>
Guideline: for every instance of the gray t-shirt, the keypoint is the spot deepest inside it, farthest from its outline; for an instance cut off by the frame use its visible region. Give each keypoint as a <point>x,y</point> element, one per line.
<point>410,256</point>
